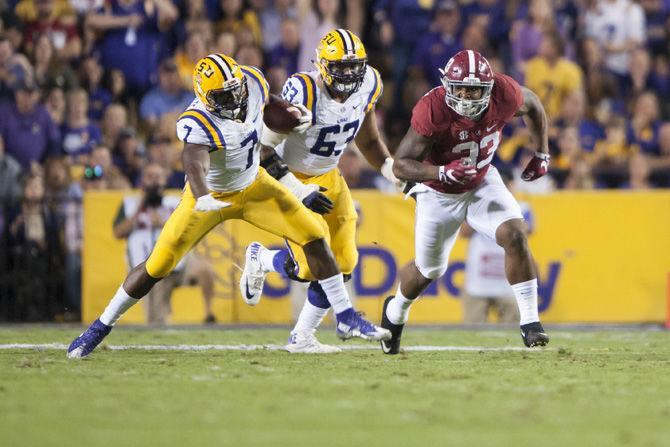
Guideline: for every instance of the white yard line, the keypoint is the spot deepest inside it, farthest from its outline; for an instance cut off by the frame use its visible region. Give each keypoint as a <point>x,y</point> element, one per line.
<point>370,347</point>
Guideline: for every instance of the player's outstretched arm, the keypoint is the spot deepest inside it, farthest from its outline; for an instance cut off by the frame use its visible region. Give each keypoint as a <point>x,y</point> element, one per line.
<point>411,151</point>
<point>373,148</point>
<point>535,118</point>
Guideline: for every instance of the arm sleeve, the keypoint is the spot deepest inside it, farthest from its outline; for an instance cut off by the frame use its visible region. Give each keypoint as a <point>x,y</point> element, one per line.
<point>192,127</point>
<point>376,90</point>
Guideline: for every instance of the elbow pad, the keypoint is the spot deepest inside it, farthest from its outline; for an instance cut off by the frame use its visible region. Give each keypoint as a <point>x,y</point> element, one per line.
<point>275,166</point>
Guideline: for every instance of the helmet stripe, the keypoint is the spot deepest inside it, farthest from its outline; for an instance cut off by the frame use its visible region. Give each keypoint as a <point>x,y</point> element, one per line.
<point>471,62</point>
<point>223,66</point>
<point>348,46</point>
<point>351,37</point>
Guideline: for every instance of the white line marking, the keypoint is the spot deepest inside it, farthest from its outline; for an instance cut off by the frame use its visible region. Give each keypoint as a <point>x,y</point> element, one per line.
<point>420,348</point>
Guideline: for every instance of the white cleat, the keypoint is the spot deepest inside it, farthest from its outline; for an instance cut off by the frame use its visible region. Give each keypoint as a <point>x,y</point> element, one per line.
<point>305,342</point>
<point>253,275</point>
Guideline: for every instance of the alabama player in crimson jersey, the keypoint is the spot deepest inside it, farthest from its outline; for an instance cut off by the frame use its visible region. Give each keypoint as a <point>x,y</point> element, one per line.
<point>454,133</point>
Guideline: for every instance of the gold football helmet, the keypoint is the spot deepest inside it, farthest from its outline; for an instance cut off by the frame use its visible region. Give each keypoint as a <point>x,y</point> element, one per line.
<point>219,83</point>
<point>341,60</point>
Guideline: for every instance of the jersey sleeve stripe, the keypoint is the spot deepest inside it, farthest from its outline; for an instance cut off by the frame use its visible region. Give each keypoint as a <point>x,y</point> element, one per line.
<point>309,87</point>
<point>208,126</point>
<point>376,91</point>
<point>259,78</point>
<point>201,125</point>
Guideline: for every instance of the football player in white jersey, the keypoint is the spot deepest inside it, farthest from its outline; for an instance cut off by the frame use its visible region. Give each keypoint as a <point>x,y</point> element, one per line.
<point>221,131</point>
<point>341,94</point>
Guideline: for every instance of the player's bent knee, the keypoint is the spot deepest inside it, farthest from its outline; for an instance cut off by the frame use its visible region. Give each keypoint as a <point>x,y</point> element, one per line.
<point>431,273</point>
<point>347,260</point>
<point>161,266</point>
<point>511,235</point>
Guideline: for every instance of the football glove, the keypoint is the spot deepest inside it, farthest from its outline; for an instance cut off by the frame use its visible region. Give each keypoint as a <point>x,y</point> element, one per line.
<point>536,167</point>
<point>387,172</point>
<point>305,119</point>
<point>457,173</point>
<point>310,195</point>
<point>209,203</point>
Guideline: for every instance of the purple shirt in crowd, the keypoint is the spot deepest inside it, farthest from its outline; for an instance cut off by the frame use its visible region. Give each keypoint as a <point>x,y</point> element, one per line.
<point>29,137</point>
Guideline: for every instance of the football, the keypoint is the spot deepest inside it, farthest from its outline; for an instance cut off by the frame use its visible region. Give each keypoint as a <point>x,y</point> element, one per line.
<point>281,116</point>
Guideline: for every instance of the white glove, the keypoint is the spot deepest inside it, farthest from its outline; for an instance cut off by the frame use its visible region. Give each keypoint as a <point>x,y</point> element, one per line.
<point>209,203</point>
<point>387,172</point>
<point>305,119</point>
<point>298,188</point>
<point>271,138</point>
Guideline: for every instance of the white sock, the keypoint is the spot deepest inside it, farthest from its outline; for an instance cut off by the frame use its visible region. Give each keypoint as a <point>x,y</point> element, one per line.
<point>336,293</point>
<point>310,318</point>
<point>265,257</point>
<point>117,307</point>
<point>397,310</point>
<point>526,298</point>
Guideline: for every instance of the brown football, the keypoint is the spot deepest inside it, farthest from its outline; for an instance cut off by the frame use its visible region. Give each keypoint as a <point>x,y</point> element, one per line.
<point>281,116</point>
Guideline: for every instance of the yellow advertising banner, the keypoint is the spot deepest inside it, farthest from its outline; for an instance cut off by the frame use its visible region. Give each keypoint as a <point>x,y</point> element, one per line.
<point>602,256</point>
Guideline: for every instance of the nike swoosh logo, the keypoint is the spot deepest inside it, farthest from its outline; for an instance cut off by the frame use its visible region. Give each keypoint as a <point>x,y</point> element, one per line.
<point>490,128</point>
<point>355,107</point>
<point>249,296</point>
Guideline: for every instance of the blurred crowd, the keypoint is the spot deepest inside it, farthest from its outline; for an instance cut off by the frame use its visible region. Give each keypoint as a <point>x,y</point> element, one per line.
<point>90,91</point>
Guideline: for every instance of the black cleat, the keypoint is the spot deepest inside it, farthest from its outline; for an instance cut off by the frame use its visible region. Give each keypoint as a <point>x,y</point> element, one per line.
<point>391,346</point>
<point>533,335</point>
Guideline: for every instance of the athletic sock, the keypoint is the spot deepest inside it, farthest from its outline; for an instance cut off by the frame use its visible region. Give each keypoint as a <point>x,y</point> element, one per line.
<point>397,310</point>
<point>273,260</point>
<point>526,298</point>
<point>315,308</point>
<point>336,293</point>
<point>119,304</point>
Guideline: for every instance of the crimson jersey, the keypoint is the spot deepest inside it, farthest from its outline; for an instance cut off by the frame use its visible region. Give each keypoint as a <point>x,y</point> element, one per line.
<point>455,136</point>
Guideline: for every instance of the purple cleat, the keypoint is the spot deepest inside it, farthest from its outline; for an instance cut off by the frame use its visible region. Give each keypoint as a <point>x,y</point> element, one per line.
<point>88,340</point>
<point>351,324</point>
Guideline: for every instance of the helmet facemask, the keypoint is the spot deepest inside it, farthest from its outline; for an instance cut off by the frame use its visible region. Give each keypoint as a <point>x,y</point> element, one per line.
<point>344,77</point>
<point>229,102</point>
<point>470,108</point>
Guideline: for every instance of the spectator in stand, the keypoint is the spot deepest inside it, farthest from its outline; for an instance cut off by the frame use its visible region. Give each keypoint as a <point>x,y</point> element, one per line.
<point>599,83</point>
<point>28,132</point>
<point>55,105</point>
<point>194,19</point>
<point>656,16</point>
<point>101,172</point>
<point>619,27</point>
<point>132,39</point>
<point>276,77</point>
<point>286,53</point>
<point>249,55</point>
<point>113,122</point>
<point>493,17</point>
<point>661,164</point>
<point>35,254</point>
<point>644,124</point>
<point>611,155</point>
<point>551,76</point>
<point>55,19</point>
<point>358,176</point>
<point>128,155</point>
<point>526,35</point>
<point>314,24</point>
<point>639,172</point>
<point>225,43</point>
<point>569,150</point>
<point>572,115</point>
<point>162,151</point>
<point>168,96</point>
<point>474,37</point>
<point>10,173</point>
<point>272,16</point>
<point>193,50</point>
<point>91,74</point>
<point>49,70</point>
<point>580,175</point>
<point>236,18</point>
<point>401,24</point>
<point>438,45</point>
<point>64,197</point>
<point>14,68</point>
<point>80,135</point>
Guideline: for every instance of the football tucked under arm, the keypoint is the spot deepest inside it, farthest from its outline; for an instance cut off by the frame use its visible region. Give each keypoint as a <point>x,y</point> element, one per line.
<point>280,118</point>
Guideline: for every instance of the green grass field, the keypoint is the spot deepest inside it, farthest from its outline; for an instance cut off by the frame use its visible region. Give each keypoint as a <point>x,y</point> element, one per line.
<point>609,388</point>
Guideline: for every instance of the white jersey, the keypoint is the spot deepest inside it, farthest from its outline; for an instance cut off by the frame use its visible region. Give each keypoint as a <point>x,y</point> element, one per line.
<point>334,124</point>
<point>235,152</point>
<point>615,23</point>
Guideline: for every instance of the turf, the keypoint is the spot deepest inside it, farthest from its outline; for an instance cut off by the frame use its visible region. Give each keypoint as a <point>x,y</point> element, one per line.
<point>609,388</point>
